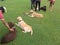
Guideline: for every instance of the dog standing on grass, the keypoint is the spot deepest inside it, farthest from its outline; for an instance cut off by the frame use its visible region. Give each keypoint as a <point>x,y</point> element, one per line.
<point>26,28</point>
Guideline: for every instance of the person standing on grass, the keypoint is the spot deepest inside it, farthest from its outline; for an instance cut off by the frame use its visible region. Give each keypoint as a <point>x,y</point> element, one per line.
<point>2,10</point>
<point>51,4</point>
<point>38,3</point>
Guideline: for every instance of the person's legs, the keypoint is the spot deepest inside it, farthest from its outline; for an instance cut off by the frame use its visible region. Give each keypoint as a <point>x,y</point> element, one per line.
<point>51,5</point>
<point>31,4</point>
<point>36,6</point>
<point>39,5</point>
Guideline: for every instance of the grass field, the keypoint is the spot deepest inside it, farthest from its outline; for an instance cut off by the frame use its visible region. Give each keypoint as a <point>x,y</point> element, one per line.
<point>46,30</point>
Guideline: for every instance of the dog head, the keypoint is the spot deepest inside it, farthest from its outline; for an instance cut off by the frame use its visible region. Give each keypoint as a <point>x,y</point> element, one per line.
<point>19,18</point>
<point>11,25</point>
<point>31,11</point>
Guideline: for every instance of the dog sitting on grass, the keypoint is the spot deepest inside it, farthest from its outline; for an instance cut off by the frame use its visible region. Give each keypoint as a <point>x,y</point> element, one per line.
<point>34,14</point>
<point>10,36</point>
<point>24,26</point>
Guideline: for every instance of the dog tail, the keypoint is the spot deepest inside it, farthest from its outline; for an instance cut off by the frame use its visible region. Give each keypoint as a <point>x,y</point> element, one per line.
<point>31,32</point>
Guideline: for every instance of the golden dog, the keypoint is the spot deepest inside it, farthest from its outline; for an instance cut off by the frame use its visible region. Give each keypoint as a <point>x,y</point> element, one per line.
<point>26,28</point>
<point>34,14</point>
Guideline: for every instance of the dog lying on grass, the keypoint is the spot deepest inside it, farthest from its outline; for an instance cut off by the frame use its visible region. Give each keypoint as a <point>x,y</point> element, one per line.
<point>25,27</point>
<point>34,14</point>
<point>10,36</point>
<point>43,8</point>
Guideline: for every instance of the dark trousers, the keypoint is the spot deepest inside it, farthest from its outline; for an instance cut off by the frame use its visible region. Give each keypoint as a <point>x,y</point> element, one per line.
<point>32,3</point>
<point>37,4</point>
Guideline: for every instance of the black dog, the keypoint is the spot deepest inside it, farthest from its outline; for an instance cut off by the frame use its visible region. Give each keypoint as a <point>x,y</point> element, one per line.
<point>10,36</point>
<point>43,8</point>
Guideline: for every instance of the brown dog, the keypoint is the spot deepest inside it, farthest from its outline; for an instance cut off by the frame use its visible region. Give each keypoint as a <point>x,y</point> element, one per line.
<point>11,35</point>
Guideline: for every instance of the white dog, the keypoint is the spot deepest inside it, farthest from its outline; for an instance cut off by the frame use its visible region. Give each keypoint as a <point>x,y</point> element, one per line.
<point>26,28</point>
<point>34,14</point>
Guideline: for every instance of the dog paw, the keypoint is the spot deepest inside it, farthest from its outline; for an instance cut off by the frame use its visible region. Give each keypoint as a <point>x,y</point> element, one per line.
<point>23,31</point>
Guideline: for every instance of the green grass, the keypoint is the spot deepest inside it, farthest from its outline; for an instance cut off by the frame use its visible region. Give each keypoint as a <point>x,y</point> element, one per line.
<point>46,30</point>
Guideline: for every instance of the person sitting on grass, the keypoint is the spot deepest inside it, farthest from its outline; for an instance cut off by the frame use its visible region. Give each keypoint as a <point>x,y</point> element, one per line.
<point>2,10</point>
<point>51,4</point>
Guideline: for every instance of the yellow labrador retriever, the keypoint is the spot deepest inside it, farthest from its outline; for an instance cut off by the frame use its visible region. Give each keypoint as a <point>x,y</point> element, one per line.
<point>26,28</point>
<point>34,14</point>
